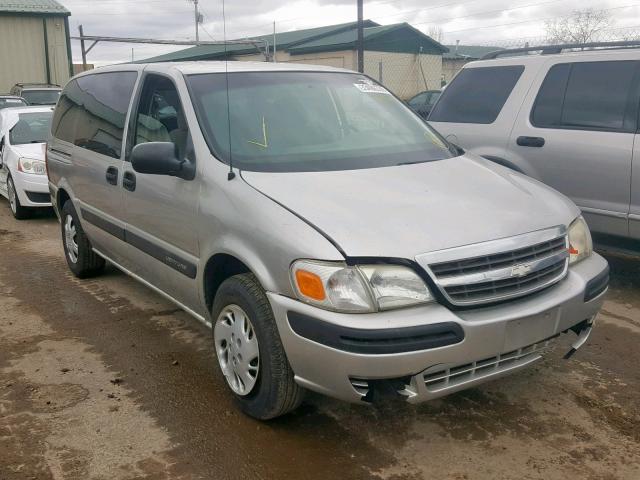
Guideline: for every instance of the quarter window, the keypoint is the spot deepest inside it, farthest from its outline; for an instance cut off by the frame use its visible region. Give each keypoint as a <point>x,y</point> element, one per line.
<point>476,95</point>
<point>588,96</point>
<point>64,117</point>
<point>92,111</point>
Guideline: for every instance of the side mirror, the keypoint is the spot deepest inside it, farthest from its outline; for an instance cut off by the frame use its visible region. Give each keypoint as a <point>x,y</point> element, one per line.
<point>160,158</point>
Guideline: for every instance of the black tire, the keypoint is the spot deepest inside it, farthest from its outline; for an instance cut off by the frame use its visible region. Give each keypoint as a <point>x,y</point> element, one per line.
<point>87,263</point>
<point>18,211</point>
<point>275,392</point>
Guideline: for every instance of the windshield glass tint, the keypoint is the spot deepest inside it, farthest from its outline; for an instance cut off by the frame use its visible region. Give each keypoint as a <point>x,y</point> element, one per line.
<point>11,102</point>
<point>304,121</point>
<point>41,97</point>
<point>31,128</point>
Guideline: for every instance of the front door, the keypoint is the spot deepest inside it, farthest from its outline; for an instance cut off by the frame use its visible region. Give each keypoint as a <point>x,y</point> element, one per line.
<point>578,137</point>
<point>160,211</point>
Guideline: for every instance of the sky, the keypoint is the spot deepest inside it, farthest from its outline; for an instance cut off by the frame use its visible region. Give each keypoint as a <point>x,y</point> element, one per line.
<point>481,22</point>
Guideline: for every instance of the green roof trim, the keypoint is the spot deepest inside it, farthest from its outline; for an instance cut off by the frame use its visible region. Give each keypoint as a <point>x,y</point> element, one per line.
<point>35,7</point>
<point>470,52</point>
<point>398,38</point>
<point>284,40</point>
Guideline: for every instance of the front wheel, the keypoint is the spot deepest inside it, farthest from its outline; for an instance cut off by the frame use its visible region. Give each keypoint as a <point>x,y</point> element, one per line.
<point>81,258</point>
<point>19,212</point>
<point>249,350</point>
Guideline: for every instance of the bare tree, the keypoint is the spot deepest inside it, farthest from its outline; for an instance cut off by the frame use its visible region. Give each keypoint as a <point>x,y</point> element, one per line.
<point>581,26</point>
<point>435,32</point>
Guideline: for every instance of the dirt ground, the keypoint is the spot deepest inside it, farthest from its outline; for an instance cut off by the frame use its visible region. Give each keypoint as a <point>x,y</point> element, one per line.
<point>103,379</point>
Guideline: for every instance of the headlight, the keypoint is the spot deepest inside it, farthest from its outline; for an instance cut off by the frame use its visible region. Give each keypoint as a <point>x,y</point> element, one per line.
<point>580,244</point>
<point>29,165</point>
<point>357,289</point>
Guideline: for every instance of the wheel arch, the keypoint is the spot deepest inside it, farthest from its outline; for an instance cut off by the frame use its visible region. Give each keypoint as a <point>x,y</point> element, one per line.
<point>61,197</point>
<point>220,267</point>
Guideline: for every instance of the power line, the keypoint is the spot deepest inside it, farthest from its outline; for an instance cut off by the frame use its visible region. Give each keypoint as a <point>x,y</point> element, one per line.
<point>527,21</point>
<point>409,12</point>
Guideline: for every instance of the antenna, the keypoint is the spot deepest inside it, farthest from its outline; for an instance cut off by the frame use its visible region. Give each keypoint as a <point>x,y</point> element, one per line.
<point>231,175</point>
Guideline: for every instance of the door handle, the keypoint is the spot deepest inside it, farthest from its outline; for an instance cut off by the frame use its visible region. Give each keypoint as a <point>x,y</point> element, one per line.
<point>112,175</point>
<point>530,142</point>
<point>129,181</point>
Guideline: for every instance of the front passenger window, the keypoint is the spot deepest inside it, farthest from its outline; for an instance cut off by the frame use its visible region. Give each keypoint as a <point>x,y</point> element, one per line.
<point>160,116</point>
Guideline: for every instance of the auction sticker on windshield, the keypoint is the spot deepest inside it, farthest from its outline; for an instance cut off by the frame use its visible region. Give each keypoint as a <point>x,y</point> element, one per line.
<point>370,88</point>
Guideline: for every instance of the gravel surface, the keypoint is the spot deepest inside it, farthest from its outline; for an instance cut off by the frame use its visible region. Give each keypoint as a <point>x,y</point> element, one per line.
<point>104,379</point>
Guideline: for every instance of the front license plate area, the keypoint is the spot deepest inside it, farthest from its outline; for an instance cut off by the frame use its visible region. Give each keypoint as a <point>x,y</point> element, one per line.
<point>529,330</point>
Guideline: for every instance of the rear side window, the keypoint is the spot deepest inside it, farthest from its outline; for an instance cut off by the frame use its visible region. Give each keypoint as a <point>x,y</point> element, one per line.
<point>476,95</point>
<point>63,125</point>
<point>588,96</point>
<point>92,110</point>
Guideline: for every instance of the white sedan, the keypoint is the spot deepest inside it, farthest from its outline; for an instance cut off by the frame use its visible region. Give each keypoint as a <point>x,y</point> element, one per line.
<point>23,177</point>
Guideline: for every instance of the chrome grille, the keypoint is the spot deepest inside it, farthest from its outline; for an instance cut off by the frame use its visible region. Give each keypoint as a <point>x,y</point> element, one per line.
<point>437,378</point>
<point>508,268</point>
<point>499,260</point>
<point>508,287</point>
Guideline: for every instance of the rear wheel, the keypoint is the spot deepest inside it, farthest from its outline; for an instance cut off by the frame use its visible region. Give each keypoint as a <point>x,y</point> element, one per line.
<point>81,258</point>
<point>18,211</point>
<point>249,350</point>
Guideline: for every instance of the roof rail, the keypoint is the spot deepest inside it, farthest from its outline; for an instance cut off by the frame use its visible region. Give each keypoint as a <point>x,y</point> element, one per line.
<point>555,49</point>
<point>35,84</point>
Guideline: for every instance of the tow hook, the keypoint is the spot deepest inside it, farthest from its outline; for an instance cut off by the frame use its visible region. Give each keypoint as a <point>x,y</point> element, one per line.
<point>582,330</point>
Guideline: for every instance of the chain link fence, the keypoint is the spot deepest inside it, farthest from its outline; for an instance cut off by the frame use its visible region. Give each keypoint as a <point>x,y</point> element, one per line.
<point>408,74</point>
<point>405,74</point>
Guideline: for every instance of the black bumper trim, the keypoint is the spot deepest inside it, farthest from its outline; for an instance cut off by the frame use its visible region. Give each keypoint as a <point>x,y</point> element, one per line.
<point>376,341</point>
<point>597,285</point>
<point>38,197</point>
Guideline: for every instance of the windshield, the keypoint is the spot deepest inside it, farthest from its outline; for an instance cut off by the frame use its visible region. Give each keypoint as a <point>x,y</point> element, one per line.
<point>41,97</point>
<point>31,128</point>
<point>309,121</point>
<point>11,102</point>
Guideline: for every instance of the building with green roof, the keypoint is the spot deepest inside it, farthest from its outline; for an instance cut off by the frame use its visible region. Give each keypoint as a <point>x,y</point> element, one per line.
<point>34,43</point>
<point>458,55</point>
<point>403,58</point>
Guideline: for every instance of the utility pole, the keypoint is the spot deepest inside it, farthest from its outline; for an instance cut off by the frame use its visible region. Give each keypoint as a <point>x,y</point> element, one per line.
<point>360,43</point>
<point>274,41</point>
<point>198,19</point>
<point>84,52</point>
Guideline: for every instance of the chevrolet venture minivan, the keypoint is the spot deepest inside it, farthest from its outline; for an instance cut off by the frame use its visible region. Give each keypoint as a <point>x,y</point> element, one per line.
<point>331,238</point>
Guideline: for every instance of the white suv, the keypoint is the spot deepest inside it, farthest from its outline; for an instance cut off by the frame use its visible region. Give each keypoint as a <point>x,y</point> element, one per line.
<point>566,117</point>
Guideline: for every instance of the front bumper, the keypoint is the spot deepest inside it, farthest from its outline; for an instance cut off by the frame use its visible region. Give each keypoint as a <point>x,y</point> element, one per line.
<point>32,190</point>
<point>495,340</point>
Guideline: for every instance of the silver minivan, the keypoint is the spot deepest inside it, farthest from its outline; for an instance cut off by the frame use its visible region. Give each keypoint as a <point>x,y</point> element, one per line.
<point>332,240</point>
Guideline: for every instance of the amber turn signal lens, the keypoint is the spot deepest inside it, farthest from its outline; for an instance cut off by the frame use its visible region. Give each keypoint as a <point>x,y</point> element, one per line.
<point>310,285</point>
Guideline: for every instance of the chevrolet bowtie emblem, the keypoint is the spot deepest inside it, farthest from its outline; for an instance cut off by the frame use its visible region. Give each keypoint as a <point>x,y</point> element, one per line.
<point>521,270</point>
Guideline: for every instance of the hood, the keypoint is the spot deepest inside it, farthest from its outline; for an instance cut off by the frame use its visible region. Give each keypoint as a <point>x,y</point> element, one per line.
<point>406,210</point>
<point>30,150</point>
